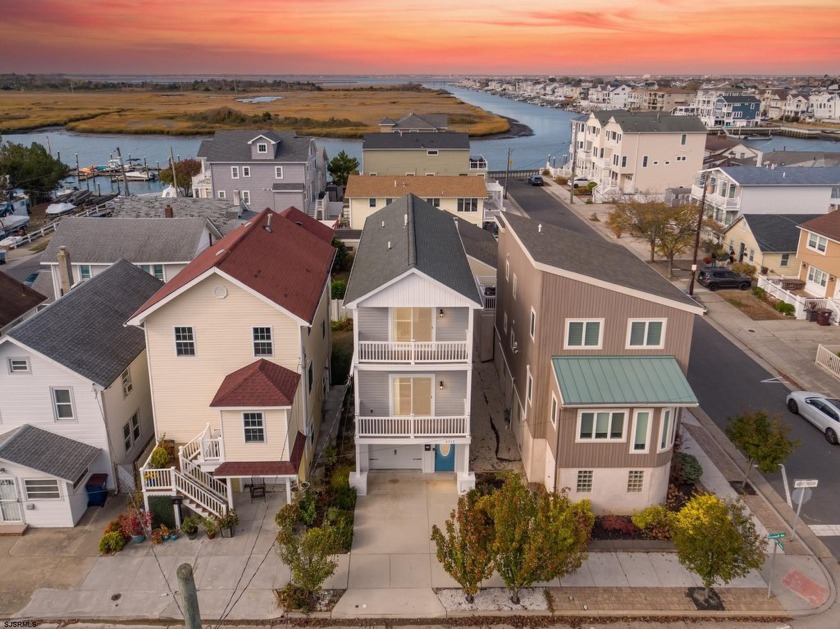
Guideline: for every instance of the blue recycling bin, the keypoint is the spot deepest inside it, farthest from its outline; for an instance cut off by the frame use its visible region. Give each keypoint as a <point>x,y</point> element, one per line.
<point>97,490</point>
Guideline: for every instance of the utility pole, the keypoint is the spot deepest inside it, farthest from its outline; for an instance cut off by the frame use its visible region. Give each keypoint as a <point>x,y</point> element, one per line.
<point>507,173</point>
<point>574,162</point>
<point>188,596</point>
<point>122,169</point>
<point>78,174</point>
<point>697,235</point>
<point>174,176</point>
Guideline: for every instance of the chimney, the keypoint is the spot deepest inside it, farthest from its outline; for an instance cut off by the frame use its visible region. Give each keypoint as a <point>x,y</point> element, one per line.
<point>268,222</point>
<point>168,212</point>
<point>65,271</point>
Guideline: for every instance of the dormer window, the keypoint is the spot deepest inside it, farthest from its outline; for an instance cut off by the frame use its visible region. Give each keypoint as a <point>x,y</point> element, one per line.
<point>262,147</point>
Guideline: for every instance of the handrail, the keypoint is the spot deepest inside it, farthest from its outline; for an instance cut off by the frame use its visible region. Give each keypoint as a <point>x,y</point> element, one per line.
<point>412,427</point>
<point>195,473</point>
<point>199,494</point>
<point>413,351</point>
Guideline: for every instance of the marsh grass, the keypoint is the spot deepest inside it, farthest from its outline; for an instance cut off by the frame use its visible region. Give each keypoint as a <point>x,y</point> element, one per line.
<point>329,113</point>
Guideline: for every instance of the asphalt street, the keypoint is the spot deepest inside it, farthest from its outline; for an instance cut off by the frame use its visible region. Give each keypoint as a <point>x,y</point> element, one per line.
<point>727,381</point>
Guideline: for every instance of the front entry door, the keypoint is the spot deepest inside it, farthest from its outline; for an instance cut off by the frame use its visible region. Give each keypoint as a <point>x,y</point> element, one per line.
<point>444,458</point>
<point>9,504</point>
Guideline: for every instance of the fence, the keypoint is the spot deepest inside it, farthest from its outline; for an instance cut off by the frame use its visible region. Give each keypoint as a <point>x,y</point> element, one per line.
<point>337,310</point>
<point>828,359</point>
<point>98,210</point>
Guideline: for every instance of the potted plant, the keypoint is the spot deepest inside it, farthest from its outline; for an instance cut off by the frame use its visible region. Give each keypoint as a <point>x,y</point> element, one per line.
<point>159,458</point>
<point>164,532</point>
<point>136,523</point>
<point>157,536</point>
<point>209,527</point>
<point>190,526</point>
<point>228,521</point>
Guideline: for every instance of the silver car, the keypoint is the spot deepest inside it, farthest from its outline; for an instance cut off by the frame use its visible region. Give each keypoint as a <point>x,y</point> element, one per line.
<point>820,410</point>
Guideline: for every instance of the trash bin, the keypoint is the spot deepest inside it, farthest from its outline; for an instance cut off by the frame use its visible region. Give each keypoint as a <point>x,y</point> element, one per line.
<point>824,316</point>
<point>97,490</point>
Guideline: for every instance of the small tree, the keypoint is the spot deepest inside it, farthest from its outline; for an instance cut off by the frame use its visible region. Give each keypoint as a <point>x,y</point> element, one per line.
<point>537,536</point>
<point>679,234</point>
<point>716,540</point>
<point>31,168</point>
<point>341,167</point>
<point>185,170</point>
<point>343,260</point>
<point>763,440</point>
<point>465,549</point>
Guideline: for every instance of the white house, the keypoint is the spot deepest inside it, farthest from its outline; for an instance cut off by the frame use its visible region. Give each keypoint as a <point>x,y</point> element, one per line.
<point>75,372</point>
<point>412,294</point>
<point>824,106</point>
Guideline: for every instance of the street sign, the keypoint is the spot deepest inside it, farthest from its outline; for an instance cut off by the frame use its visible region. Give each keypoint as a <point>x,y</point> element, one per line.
<point>779,544</point>
<point>801,495</point>
<point>801,484</point>
<point>777,535</point>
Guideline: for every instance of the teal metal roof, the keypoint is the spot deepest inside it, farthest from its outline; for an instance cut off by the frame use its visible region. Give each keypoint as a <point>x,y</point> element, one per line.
<point>626,380</point>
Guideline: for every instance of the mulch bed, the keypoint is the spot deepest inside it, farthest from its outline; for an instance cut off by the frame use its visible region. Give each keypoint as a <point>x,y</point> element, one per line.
<point>703,604</point>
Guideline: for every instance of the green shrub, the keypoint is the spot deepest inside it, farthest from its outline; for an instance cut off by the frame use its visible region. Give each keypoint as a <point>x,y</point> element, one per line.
<point>159,458</point>
<point>308,505</point>
<point>341,476</point>
<point>687,469</point>
<point>341,521</point>
<point>294,598</point>
<point>562,180</point>
<point>345,498</point>
<point>287,517</point>
<point>111,543</point>
<point>162,511</point>
<point>785,308</point>
<point>339,287</point>
<point>342,325</point>
<point>744,269</point>
<point>759,292</point>
<point>655,520</point>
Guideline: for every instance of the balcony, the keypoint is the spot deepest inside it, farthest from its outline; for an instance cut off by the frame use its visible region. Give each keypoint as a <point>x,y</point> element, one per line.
<point>413,351</point>
<point>477,162</point>
<point>412,427</point>
<point>206,448</point>
<point>487,288</point>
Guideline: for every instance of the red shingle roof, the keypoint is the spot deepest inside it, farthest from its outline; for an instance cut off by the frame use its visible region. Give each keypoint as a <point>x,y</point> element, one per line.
<point>827,225</point>
<point>238,469</point>
<point>313,226</point>
<point>260,384</point>
<point>287,265</point>
<point>18,299</point>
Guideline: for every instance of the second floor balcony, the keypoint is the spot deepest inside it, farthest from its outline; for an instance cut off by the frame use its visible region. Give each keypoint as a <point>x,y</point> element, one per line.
<point>413,335</point>
<point>487,289</point>
<point>413,351</point>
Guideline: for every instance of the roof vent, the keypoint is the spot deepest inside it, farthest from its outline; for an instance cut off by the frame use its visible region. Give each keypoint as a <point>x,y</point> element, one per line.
<point>220,252</point>
<point>268,223</point>
<point>539,228</point>
<point>405,220</point>
<point>383,223</point>
<point>389,244</point>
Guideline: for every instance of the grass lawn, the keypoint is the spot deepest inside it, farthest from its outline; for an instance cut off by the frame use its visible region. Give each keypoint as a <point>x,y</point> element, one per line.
<point>750,305</point>
<point>328,113</point>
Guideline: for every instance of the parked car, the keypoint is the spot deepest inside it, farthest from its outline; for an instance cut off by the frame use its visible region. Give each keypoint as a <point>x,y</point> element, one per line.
<point>536,180</point>
<point>580,182</point>
<point>820,410</point>
<point>714,277</point>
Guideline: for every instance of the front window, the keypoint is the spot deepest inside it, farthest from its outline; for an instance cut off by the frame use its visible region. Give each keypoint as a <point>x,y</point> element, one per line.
<point>278,172</point>
<point>254,427</point>
<point>246,197</point>
<point>41,489</point>
<point>817,243</point>
<point>666,430</point>
<point>184,342</point>
<point>263,345</point>
<point>127,386</point>
<point>63,404</point>
<point>412,396</point>
<point>601,425</point>
<point>371,202</point>
<point>646,333</point>
<point>468,205</point>
<point>434,202</point>
<point>246,171</point>
<point>641,431</point>
<point>583,334</point>
<point>817,277</point>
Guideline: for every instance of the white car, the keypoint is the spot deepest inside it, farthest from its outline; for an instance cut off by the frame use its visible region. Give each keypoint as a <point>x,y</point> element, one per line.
<point>819,409</point>
<point>580,182</point>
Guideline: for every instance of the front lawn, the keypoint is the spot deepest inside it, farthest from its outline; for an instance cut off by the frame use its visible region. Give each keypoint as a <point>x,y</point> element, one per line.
<point>750,305</point>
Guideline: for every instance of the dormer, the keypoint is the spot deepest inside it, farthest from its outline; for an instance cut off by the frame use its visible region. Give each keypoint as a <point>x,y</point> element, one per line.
<point>264,146</point>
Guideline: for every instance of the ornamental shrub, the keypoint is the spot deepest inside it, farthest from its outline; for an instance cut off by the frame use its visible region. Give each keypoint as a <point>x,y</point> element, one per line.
<point>785,308</point>
<point>111,543</point>
<point>655,521</point>
<point>687,469</point>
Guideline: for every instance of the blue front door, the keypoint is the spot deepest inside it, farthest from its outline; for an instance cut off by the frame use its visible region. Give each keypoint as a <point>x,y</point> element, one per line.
<point>444,458</point>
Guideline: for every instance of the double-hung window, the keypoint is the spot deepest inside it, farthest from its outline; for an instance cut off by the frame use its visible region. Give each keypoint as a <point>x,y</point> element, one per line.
<point>127,386</point>
<point>372,202</point>
<point>254,426</point>
<point>234,172</point>
<point>153,269</point>
<point>278,172</point>
<point>263,345</point>
<point>529,385</point>
<point>246,197</point>
<point>246,171</point>
<point>62,399</point>
<point>84,272</point>
<point>667,428</point>
<point>583,334</point>
<point>817,242</point>
<point>606,425</point>
<point>817,276</point>
<point>646,333</point>
<point>262,148</point>
<point>184,341</point>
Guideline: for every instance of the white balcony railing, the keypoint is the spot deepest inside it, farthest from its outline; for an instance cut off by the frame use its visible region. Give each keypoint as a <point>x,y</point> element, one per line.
<point>206,447</point>
<point>487,289</point>
<point>413,351</point>
<point>828,357</point>
<point>412,427</point>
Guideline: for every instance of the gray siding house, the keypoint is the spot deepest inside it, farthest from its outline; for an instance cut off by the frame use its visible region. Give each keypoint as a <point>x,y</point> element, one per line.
<point>262,169</point>
<point>591,349</point>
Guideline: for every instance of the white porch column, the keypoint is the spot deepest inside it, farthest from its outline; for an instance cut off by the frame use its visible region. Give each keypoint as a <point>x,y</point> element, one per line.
<point>230,492</point>
<point>288,491</point>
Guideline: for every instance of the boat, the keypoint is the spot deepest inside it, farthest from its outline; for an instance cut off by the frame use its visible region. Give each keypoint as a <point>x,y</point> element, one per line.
<point>57,209</point>
<point>14,214</point>
<point>136,175</point>
<point>12,224</point>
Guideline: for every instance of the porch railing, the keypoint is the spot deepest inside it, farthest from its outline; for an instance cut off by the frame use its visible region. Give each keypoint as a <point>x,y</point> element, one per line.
<point>828,359</point>
<point>487,288</point>
<point>411,427</point>
<point>206,447</point>
<point>413,351</point>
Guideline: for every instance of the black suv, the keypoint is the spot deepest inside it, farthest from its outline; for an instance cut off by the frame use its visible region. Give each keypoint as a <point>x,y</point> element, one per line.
<point>713,277</point>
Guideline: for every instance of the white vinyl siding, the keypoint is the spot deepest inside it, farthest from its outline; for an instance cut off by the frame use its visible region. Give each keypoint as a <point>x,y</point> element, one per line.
<point>184,341</point>
<point>583,333</point>
<point>63,403</point>
<point>646,333</point>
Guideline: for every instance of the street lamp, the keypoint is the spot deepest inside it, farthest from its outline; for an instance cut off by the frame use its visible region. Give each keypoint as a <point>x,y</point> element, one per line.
<point>697,235</point>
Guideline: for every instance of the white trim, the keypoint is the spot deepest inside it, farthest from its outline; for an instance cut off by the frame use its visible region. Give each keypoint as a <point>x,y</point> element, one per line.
<point>55,403</point>
<point>819,238</point>
<point>583,346</point>
<point>234,172</point>
<point>467,302</point>
<point>175,341</point>
<point>632,439</point>
<point>245,195</point>
<point>53,479</point>
<point>394,376</point>
<point>278,172</point>
<point>607,439</point>
<point>669,442</point>
<point>264,428</point>
<point>246,171</point>
<point>19,359</point>
<point>553,410</point>
<point>646,321</point>
<point>529,387</point>
<point>532,324</point>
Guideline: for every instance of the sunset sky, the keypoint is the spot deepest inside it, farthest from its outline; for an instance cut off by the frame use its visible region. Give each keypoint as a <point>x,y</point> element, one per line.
<point>421,36</point>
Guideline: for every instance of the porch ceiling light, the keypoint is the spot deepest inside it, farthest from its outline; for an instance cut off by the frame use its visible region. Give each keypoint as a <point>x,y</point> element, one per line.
<point>441,313</point>
<point>440,385</point>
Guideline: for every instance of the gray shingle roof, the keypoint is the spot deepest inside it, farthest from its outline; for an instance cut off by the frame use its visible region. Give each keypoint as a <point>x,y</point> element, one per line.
<point>232,146</point>
<point>776,233</point>
<point>756,176</point>
<point>478,243</point>
<point>46,452</point>
<point>217,211</point>
<point>138,240</point>
<point>592,257</point>
<point>404,141</point>
<point>801,158</point>
<point>428,242</point>
<point>418,121</point>
<point>84,329</point>
<point>651,121</point>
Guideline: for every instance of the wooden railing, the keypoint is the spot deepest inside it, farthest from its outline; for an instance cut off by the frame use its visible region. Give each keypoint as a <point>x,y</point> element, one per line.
<point>487,289</point>
<point>828,359</point>
<point>412,427</point>
<point>51,227</point>
<point>413,351</point>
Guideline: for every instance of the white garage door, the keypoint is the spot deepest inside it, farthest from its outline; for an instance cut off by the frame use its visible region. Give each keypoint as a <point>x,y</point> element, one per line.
<point>396,457</point>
